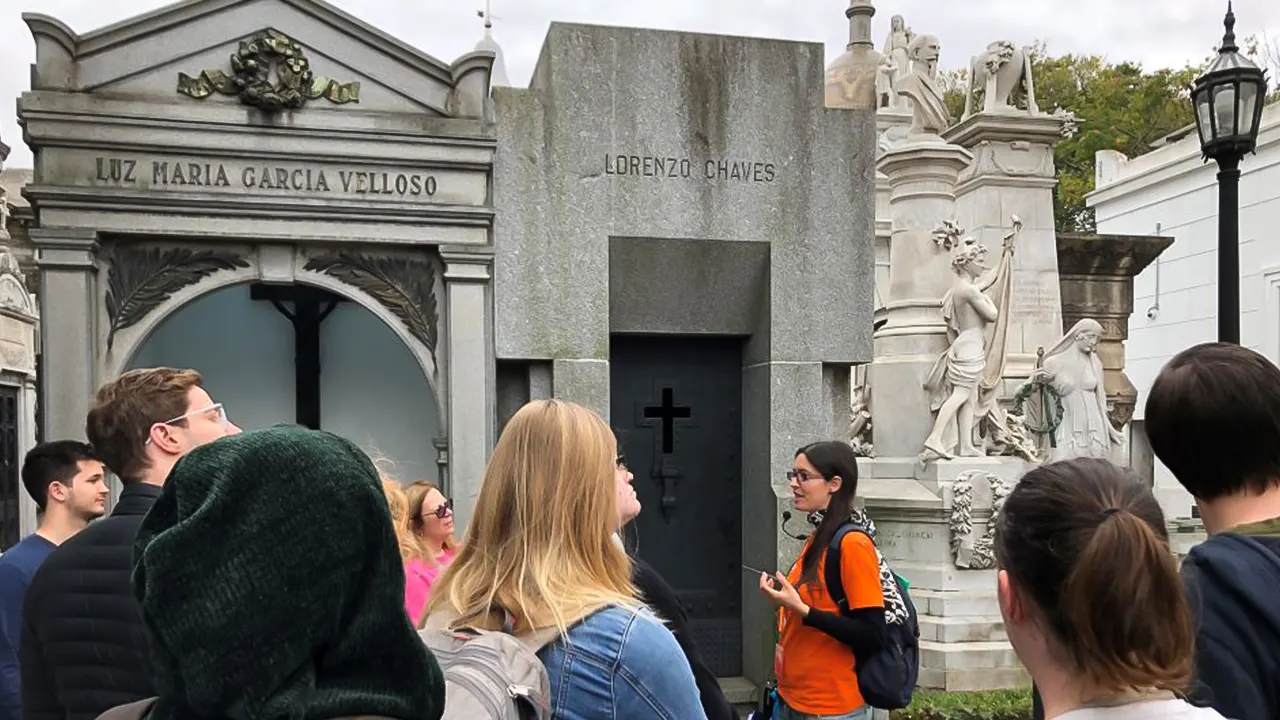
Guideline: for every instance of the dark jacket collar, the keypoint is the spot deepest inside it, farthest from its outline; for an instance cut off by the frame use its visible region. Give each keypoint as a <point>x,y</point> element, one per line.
<point>136,499</point>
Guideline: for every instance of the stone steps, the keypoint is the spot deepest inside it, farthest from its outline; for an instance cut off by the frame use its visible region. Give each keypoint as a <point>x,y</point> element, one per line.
<point>962,629</point>
<point>957,666</point>
<point>957,603</point>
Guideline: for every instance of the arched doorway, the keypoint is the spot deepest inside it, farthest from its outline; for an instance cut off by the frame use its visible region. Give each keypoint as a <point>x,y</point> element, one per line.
<point>369,388</point>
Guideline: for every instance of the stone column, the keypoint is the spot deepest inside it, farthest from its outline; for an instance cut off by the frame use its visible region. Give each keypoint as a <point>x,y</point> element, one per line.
<point>1013,174</point>
<point>27,520</point>
<point>1097,274</point>
<point>469,372</point>
<point>68,327</point>
<point>922,177</point>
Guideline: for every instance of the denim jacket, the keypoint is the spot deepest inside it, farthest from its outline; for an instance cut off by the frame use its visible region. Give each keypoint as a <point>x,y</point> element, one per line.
<point>620,664</point>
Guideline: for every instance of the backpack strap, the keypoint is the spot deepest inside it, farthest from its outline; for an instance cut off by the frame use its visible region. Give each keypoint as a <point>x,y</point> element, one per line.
<point>535,640</point>
<point>831,566</point>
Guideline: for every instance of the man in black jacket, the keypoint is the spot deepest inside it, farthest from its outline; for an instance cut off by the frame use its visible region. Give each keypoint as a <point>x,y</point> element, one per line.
<point>1213,419</point>
<point>84,649</point>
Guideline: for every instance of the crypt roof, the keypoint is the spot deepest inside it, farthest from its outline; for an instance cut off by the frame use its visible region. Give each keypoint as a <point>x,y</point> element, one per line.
<point>141,57</point>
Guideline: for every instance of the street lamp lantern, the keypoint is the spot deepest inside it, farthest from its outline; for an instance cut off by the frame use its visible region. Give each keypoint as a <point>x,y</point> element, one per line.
<point>1228,100</point>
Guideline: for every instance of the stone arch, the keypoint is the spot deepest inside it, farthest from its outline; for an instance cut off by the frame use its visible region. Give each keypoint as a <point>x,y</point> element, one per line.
<point>118,352</point>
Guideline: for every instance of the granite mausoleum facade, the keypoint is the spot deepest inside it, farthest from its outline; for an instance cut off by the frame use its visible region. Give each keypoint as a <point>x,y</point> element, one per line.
<point>216,143</point>
<point>684,237</point>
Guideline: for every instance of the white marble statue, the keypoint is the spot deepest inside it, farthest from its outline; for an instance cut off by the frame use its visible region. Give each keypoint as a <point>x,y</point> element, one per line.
<point>4,214</point>
<point>896,61</point>
<point>929,114</point>
<point>1073,370</point>
<point>959,377</point>
<point>1000,69</point>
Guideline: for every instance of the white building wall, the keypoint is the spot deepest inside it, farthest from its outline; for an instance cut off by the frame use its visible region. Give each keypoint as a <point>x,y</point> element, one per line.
<point>1172,192</point>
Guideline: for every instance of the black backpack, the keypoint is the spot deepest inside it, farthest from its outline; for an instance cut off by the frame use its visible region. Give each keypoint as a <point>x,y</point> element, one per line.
<point>888,678</point>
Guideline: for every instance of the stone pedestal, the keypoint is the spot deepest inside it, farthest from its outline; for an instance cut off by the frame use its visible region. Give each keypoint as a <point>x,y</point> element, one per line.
<point>1096,282</point>
<point>1013,174</point>
<point>963,645</point>
<point>921,176</point>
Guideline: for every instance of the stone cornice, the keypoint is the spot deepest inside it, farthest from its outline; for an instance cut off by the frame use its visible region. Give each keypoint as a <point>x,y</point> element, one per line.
<point>1108,255</point>
<point>1005,127</point>
<point>252,206</point>
<point>58,118</point>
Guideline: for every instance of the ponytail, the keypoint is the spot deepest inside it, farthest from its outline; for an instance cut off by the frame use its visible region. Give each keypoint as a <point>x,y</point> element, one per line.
<point>1085,541</point>
<point>1126,609</point>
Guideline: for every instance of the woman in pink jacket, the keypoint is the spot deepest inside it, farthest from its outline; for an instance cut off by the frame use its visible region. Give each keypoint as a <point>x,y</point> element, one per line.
<point>430,521</point>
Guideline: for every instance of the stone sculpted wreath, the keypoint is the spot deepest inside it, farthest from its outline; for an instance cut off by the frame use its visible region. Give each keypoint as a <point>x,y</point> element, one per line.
<point>250,77</point>
<point>1050,399</point>
<point>982,554</point>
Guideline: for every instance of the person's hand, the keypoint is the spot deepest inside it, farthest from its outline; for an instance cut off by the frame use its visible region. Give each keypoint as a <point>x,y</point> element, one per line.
<point>782,594</point>
<point>1117,437</point>
<point>1041,376</point>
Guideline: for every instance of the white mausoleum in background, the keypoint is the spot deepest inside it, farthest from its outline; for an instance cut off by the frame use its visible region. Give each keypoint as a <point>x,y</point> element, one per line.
<point>1171,191</point>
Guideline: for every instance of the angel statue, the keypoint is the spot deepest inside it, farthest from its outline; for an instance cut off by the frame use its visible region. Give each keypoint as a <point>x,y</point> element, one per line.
<point>962,381</point>
<point>1073,371</point>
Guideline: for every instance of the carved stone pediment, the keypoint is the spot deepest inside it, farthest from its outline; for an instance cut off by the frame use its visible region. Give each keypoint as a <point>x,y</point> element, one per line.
<point>144,57</point>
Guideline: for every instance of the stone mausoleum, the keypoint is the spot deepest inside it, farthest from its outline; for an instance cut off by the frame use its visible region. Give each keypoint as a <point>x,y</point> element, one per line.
<point>273,192</point>
<point>342,231</point>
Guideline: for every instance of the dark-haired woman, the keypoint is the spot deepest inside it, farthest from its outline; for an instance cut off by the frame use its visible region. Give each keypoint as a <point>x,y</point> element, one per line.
<point>818,646</point>
<point>1091,598</point>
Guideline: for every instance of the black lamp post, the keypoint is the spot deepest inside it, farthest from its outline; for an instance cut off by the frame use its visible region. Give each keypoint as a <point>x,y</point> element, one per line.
<point>1228,102</point>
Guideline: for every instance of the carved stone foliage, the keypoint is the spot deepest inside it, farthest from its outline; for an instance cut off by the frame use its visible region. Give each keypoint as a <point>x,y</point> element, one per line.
<point>405,286</point>
<point>141,278</point>
<point>250,77</point>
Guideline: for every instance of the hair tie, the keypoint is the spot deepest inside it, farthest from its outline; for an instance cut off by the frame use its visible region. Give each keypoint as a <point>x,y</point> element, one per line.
<point>1108,512</point>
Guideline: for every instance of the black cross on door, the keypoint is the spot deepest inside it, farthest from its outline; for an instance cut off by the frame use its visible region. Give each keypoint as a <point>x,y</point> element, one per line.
<point>665,469</point>
<point>668,412</point>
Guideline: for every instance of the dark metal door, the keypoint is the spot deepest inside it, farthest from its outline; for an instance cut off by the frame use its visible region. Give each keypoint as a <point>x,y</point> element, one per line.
<point>10,494</point>
<point>677,403</point>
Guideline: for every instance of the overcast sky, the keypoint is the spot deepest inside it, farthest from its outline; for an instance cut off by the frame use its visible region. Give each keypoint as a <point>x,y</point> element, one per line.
<point>1154,32</point>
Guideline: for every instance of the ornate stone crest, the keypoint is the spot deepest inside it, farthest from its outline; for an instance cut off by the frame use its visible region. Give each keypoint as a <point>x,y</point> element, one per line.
<point>251,77</point>
<point>405,286</point>
<point>142,278</point>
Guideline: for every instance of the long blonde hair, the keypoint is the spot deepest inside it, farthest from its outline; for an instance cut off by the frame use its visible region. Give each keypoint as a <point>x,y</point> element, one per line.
<point>398,502</point>
<point>540,541</point>
<point>417,494</point>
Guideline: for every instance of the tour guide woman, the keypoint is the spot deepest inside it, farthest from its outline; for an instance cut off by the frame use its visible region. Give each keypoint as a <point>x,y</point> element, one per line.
<point>818,646</point>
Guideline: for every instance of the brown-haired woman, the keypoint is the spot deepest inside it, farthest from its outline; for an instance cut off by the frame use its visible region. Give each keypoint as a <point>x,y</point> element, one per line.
<point>1091,598</point>
<point>430,520</point>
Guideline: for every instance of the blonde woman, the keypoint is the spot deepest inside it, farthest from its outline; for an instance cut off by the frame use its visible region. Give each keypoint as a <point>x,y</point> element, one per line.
<point>539,553</point>
<point>415,585</point>
<point>429,518</point>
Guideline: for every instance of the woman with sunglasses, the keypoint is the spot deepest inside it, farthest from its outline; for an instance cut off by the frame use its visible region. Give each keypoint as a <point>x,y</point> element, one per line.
<point>431,521</point>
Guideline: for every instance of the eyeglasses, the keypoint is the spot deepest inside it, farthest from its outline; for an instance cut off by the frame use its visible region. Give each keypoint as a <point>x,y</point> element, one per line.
<point>621,461</point>
<point>443,509</point>
<point>220,417</point>
<point>802,476</point>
